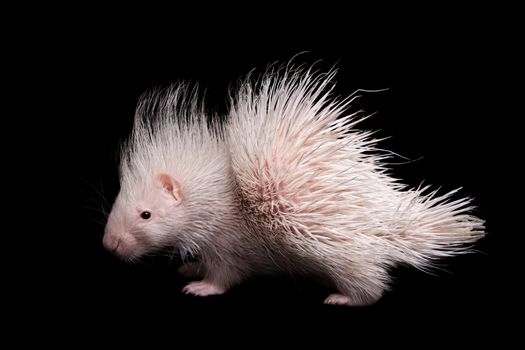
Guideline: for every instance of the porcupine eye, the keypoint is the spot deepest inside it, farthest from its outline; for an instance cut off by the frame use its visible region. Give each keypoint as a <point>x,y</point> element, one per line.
<point>145,215</point>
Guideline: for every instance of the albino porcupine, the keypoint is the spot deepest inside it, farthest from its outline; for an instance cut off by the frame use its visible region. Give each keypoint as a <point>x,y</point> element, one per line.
<point>288,186</point>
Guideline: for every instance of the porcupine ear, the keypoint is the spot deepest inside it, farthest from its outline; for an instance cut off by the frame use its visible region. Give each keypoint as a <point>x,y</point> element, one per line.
<point>170,186</point>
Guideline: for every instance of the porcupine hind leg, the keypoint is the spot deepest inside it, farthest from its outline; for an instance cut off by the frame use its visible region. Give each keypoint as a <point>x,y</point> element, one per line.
<point>356,289</point>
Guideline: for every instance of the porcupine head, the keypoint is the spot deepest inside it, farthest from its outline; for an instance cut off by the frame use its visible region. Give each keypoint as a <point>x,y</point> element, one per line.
<point>173,180</point>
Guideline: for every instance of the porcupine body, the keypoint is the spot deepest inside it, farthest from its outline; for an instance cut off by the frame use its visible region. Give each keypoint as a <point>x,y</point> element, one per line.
<point>315,189</point>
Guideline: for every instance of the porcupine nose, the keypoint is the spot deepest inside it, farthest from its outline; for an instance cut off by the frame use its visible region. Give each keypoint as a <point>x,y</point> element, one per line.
<point>110,242</point>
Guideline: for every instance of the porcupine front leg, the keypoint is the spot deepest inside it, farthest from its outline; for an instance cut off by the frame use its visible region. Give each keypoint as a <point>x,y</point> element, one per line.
<point>217,280</point>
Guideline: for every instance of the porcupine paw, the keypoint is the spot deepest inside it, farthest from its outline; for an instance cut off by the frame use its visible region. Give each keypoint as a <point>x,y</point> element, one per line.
<point>338,299</point>
<point>202,289</point>
<point>190,270</point>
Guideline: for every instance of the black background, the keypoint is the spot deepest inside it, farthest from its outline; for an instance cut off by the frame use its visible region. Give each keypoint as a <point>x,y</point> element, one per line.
<point>444,106</point>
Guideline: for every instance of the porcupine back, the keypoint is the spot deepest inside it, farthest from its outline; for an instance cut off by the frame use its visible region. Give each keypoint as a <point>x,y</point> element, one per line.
<point>305,174</point>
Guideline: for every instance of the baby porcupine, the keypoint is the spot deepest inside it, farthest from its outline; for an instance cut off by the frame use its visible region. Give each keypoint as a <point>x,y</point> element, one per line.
<point>286,185</point>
